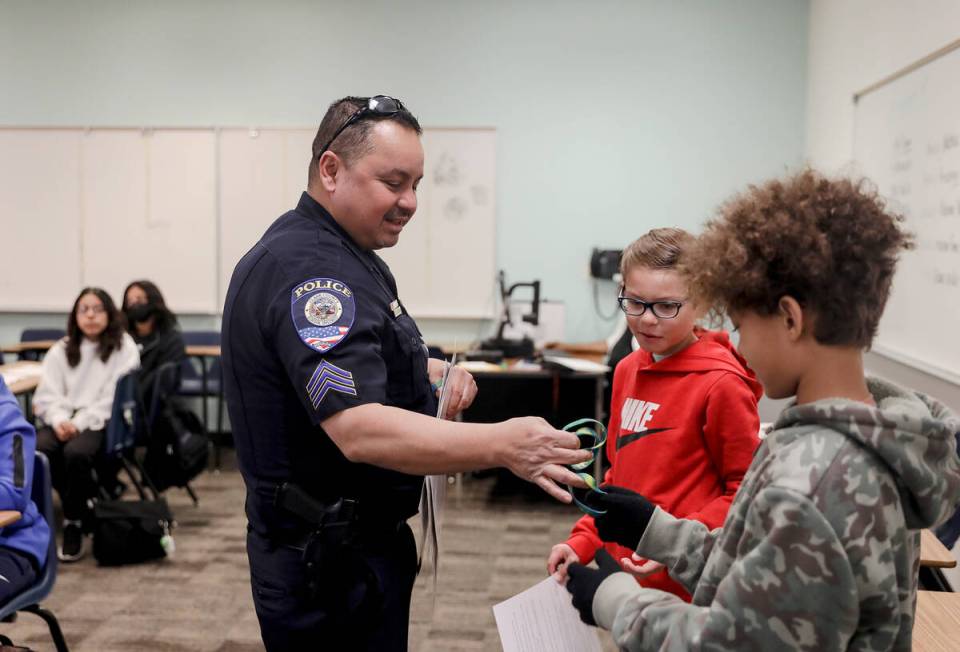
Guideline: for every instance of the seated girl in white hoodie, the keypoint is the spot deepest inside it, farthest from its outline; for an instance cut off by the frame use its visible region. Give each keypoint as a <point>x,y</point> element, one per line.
<point>73,403</point>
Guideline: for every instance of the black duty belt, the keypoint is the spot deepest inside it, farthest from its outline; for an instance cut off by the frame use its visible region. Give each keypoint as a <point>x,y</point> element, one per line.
<point>297,501</point>
<point>331,551</point>
<point>340,518</point>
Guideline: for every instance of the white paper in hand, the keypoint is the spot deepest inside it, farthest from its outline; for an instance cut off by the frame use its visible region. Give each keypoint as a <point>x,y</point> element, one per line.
<point>543,618</point>
<point>433,496</point>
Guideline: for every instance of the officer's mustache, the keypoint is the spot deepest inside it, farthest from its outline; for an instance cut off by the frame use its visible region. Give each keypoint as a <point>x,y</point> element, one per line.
<point>399,216</point>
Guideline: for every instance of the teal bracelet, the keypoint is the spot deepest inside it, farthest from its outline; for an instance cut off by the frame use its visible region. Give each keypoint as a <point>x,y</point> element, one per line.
<point>595,438</point>
<point>437,385</point>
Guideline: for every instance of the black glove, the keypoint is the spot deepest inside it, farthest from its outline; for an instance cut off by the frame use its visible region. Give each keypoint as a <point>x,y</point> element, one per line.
<point>626,517</point>
<point>584,582</point>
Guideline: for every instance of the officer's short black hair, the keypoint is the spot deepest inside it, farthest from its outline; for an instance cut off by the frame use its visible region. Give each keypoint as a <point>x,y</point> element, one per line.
<point>354,142</point>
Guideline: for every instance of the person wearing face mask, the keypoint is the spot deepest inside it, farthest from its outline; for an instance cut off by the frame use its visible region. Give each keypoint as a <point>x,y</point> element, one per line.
<point>73,403</point>
<point>155,330</point>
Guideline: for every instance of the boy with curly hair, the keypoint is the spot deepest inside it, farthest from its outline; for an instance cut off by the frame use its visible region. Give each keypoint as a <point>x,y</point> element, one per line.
<point>820,548</point>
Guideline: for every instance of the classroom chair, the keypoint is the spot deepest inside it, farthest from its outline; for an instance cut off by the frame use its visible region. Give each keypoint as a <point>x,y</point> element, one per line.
<point>125,427</point>
<point>29,599</point>
<point>165,387</point>
<point>125,430</point>
<point>36,335</point>
<point>192,382</point>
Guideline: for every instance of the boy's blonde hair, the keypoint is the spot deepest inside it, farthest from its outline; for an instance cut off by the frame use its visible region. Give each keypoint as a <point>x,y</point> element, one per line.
<point>656,249</point>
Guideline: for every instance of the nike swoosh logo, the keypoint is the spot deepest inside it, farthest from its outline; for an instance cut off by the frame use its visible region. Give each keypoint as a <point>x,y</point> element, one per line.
<point>623,440</point>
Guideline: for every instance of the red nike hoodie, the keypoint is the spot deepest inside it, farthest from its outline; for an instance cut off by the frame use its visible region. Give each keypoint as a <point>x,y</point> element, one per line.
<point>682,433</point>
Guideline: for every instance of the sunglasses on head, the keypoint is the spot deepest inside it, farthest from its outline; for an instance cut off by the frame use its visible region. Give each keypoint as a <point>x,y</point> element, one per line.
<point>376,105</point>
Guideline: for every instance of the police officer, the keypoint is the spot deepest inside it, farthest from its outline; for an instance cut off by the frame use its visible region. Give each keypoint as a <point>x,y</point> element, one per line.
<point>329,391</point>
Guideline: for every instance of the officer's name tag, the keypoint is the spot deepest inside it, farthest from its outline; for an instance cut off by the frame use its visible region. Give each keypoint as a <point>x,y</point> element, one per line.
<point>323,310</point>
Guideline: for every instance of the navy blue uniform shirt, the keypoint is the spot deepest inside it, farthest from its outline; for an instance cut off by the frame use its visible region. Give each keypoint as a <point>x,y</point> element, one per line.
<point>312,325</point>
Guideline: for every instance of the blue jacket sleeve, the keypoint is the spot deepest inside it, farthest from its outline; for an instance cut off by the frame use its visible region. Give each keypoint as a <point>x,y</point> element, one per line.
<point>18,441</point>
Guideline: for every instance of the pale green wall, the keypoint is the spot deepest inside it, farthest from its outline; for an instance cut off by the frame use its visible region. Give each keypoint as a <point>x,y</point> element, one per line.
<point>612,117</point>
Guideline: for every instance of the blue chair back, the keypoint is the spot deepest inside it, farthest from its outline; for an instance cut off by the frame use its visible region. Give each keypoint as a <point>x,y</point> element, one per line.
<point>37,335</point>
<point>29,600</point>
<point>201,338</point>
<point>42,497</point>
<point>125,417</point>
<point>190,368</point>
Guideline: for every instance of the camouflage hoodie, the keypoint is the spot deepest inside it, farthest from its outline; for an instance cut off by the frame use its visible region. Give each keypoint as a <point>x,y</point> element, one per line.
<point>820,548</point>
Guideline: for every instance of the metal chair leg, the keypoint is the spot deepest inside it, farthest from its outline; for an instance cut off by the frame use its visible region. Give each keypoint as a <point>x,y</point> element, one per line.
<point>203,391</point>
<point>52,624</point>
<point>933,579</point>
<point>218,435</point>
<point>128,466</point>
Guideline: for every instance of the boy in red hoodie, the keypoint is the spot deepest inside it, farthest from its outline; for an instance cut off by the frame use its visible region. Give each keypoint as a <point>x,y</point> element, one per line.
<point>683,414</point>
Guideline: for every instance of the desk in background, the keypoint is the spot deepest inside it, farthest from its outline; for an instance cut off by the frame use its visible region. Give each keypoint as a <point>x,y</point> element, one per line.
<point>934,554</point>
<point>519,390</point>
<point>38,346</point>
<point>198,350</point>
<point>522,377</point>
<point>206,352</point>
<point>592,351</point>
<point>936,627</point>
<point>22,378</point>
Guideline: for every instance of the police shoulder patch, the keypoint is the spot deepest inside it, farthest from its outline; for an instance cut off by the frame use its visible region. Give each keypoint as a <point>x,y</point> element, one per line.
<point>322,310</point>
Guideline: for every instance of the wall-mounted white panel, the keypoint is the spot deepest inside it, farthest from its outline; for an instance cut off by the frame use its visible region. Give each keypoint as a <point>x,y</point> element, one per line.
<point>262,173</point>
<point>40,212</point>
<point>907,140</point>
<point>149,203</point>
<point>446,259</point>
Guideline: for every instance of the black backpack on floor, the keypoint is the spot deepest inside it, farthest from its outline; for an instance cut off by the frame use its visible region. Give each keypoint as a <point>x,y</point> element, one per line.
<point>176,438</point>
<point>131,531</point>
<point>177,449</point>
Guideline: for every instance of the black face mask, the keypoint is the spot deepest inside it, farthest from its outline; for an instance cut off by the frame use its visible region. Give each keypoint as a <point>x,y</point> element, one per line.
<point>139,312</point>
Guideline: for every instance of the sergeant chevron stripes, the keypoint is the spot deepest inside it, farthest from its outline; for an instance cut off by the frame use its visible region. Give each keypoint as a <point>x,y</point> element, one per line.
<point>329,377</point>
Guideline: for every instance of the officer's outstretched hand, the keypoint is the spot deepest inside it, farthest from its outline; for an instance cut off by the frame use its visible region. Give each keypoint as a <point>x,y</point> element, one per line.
<point>626,514</point>
<point>460,386</point>
<point>533,450</point>
<point>584,582</point>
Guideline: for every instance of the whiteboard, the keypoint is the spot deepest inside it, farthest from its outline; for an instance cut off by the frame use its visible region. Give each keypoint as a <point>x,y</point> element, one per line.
<point>907,140</point>
<point>149,207</point>
<point>40,209</point>
<point>445,261</point>
<point>181,206</point>
<point>262,173</point>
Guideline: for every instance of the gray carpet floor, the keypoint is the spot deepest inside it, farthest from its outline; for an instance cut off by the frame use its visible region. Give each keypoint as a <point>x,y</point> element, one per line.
<point>495,541</point>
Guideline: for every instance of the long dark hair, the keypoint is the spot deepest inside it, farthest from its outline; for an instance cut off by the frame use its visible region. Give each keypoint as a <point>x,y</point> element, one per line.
<point>164,319</point>
<point>111,337</point>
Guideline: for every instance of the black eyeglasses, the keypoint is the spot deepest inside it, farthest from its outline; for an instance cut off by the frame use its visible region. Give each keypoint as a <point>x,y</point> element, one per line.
<point>376,105</point>
<point>661,309</point>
